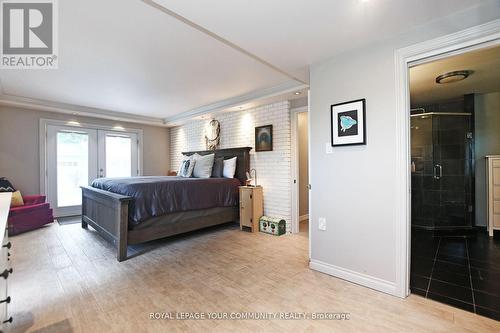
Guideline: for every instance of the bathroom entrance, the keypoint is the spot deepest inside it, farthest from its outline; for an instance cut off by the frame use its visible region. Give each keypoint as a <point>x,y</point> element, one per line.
<point>455,145</point>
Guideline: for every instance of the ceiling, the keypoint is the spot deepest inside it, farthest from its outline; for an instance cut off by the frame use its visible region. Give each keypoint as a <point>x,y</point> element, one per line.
<point>294,34</point>
<point>484,63</point>
<point>128,56</point>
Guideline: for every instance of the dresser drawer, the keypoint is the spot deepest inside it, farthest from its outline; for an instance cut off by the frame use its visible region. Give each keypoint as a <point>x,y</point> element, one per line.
<point>496,176</point>
<point>496,207</point>
<point>496,192</point>
<point>496,220</point>
<point>4,291</point>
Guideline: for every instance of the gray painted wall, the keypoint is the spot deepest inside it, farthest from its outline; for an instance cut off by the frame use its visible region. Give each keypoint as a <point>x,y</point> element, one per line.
<point>487,142</point>
<point>19,145</point>
<point>354,188</point>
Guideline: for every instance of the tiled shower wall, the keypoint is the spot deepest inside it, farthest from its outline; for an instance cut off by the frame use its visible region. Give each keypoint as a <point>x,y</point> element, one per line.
<point>238,130</point>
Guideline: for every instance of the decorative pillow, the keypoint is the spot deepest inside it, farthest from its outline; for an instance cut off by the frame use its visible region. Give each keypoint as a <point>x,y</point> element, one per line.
<point>203,165</point>
<point>186,169</point>
<point>229,168</point>
<point>184,158</point>
<point>17,199</point>
<point>218,167</point>
<point>6,186</point>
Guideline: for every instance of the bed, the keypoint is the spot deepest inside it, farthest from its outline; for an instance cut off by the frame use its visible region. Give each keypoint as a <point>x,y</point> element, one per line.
<point>135,210</point>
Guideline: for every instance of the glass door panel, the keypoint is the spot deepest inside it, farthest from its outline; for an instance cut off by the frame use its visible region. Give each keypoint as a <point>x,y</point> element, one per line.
<point>453,170</point>
<point>71,163</point>
<point>422,161</point>
<point>118,154</point>
<point>72,167</point>
<point>442,164</point>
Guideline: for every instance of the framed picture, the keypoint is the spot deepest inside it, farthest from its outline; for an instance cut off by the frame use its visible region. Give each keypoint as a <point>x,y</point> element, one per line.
<point>264,138</point>
<point>348,123</point>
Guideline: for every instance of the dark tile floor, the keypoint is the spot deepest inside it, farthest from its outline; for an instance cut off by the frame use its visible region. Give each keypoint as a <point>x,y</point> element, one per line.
<point>462,272</point>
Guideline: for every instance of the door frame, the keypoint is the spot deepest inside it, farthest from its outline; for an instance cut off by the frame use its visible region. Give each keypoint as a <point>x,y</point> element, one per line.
<point>44,123</point>
<point>294,114</point>
<point>467,40</point>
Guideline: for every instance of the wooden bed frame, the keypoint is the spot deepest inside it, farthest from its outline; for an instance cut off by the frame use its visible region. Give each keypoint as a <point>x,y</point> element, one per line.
<point>107,212</point>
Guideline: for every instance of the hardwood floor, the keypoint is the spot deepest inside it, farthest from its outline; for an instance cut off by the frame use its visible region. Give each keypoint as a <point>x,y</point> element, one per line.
<point>67,280</point>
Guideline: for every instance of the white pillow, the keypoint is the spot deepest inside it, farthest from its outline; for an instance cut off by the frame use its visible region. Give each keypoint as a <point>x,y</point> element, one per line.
<point>203,165</point>
<point>229,168</point>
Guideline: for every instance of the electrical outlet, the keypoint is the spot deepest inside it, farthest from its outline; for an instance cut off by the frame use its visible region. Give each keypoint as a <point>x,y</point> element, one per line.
<point>322,223</point>
<point>329,148</point>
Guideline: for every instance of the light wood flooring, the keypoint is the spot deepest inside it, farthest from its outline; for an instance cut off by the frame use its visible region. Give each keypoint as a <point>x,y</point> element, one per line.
<point>67,280</point>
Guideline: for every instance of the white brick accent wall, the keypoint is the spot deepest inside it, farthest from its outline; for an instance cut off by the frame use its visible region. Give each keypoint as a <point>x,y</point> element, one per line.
<point>238,130</point>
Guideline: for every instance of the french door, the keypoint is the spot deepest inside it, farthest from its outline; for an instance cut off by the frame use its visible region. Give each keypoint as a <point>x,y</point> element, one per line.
<point>117,154</point>
<point>76,156</point>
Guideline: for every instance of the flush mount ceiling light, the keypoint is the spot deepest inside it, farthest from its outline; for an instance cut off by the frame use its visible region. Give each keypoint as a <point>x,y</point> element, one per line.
<point>454,76</point>
<point>297,93</point>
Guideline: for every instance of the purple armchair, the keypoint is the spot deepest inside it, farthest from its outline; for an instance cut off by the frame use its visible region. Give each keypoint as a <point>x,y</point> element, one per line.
<point>35,213</point>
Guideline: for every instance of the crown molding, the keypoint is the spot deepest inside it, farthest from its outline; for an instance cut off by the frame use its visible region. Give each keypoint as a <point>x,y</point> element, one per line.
<point>77,110</point>
<point>281,89</point>
<point>49,106</point>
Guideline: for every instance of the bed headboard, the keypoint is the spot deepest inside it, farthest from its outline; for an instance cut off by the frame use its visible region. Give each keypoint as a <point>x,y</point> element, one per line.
<point>242,161</point>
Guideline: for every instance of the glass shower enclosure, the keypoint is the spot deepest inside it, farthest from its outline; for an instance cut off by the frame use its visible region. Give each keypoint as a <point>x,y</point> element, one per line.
<point>442,171</point>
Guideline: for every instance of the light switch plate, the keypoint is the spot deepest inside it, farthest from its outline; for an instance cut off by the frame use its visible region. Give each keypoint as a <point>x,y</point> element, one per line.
<point>322,223</point>
<point>329,148</point>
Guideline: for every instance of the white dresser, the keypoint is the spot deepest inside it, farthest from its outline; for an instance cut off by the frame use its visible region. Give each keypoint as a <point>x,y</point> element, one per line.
<point>493,183</point>
<point>5,268</point>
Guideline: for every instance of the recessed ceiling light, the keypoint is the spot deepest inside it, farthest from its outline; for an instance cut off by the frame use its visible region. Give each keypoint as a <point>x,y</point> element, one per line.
<point>297,93</point>
<point>454,76</point>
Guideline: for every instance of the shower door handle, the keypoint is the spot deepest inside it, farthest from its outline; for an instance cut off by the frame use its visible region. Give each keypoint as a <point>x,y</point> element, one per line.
<point>438,171</point>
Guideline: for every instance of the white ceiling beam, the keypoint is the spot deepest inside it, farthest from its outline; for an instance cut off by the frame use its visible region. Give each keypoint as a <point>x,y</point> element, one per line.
<point>207,32</point>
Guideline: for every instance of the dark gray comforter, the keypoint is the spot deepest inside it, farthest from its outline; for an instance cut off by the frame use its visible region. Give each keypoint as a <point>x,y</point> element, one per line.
<point>157,196</point>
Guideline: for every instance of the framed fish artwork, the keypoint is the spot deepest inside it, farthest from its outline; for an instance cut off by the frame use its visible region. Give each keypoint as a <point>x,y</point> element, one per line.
<point>348,123</point>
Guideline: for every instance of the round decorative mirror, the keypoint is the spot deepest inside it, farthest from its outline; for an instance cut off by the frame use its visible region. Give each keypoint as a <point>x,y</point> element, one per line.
<point>212,135</point>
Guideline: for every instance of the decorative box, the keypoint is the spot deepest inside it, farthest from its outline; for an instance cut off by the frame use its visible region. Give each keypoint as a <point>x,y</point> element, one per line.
<point>272,225</point>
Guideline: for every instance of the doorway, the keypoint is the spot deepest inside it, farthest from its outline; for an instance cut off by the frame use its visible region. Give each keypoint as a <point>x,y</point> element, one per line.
<point>76,155</point>
<point>300,170</point>
<point>454,132</point>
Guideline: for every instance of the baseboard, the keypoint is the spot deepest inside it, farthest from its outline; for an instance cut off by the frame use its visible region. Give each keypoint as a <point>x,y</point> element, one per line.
<point>355,277</point>
<point>303,217</point>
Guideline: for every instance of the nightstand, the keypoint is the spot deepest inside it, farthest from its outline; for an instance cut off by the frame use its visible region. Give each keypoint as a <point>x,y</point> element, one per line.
<point>251,207</point>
